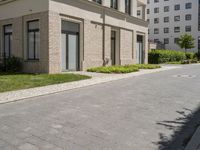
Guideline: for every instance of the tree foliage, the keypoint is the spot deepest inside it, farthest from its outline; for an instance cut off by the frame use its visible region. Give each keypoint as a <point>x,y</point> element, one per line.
<point>186,41</point>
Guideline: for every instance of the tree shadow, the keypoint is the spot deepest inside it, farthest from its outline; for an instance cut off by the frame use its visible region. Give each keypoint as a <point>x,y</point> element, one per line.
<point>182,127</point>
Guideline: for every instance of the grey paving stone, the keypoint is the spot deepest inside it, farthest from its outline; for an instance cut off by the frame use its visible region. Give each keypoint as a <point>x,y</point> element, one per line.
<point>27,146</point>
<point>137,113</point>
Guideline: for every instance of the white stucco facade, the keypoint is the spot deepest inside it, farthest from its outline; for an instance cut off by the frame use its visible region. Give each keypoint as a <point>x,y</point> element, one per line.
<point>182,23</point>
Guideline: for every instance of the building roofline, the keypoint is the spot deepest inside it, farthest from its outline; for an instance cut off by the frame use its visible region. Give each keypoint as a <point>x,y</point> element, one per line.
<point>135,19</point>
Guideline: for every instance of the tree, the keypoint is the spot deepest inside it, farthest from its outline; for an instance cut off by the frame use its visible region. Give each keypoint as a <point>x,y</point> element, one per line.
<point>186,41</point>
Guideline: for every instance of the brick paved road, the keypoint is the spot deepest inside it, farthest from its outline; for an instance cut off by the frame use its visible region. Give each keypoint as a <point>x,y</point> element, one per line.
<point>131,114</point>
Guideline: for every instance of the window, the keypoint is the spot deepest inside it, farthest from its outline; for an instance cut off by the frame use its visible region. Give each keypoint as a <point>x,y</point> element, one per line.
<point>199,44</point>
<point>188,17</point>
<point>166,30</point>
<point>166,9</point>
<point>177,18</point>
<point>156,10</point>
<point>156,31</point>
<point>148,1</point>
<point>33,38</point>
<point>114,4</point>
<point>199,18</point>
<point>166,40</point>
<point>176,40</point>
<point>97,1</point>
<point>188,5</point>
<point>166,19</point>
<point>156,20</point>
<point>7,40</point>
<point>138,12</point>
<point>188,28</point>
<point>148,11</point>
<point>177,7</point>
<point>156,40</point>
<point>176,29</point>
<point>156,1</point>
<point>128,6</point>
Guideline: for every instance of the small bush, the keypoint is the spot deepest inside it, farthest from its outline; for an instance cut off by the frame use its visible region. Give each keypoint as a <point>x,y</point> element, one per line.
<point>197,56</point>
<point>147,66</point>
<point>114,69</point>
<point>190,55</point>
<point>174,62</point>
<point>122,69</point>
<point>13,64</point>
<point>163,56</point>
<point>1,67</point>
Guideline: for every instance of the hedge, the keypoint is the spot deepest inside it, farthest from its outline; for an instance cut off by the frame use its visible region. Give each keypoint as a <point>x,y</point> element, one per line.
<point>163,56</point>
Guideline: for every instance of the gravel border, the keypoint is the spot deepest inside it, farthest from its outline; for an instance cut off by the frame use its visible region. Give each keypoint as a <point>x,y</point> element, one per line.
<point>97,78</point>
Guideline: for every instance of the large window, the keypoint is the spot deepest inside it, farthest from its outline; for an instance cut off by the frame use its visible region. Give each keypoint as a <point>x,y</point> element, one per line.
<point>7,40</point>
<point>128,6</point>
<point>33,41</point>
<point>114,4</point>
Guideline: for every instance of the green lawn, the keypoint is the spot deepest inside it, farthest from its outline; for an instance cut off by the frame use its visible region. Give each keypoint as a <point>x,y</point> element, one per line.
<point>123,69</point>
<point>11,82</point>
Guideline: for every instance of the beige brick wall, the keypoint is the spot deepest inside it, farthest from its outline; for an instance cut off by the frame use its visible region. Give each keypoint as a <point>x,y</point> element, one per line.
<point>41,66</point>
<point>126,47</point>
<point>95,42</point>
<point>93,45</point>
<point>107,44</point>
<point>54,42</point>
<point>17,36</point>
<point>19,42</point>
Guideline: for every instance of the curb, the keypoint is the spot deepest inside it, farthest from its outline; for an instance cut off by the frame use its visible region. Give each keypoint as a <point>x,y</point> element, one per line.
<point>14,96</point>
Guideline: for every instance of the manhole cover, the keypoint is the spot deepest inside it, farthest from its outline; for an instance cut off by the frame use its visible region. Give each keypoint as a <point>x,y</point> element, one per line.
<point>184,76</point>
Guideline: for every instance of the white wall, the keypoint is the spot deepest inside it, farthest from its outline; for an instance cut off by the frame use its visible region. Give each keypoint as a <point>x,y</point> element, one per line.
<point>182,23</point>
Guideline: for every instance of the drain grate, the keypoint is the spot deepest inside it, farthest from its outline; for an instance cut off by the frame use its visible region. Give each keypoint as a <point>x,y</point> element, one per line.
<point>184,76</point>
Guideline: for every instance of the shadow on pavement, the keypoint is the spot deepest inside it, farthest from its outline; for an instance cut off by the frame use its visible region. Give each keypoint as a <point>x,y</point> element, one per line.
<point>182,127</point>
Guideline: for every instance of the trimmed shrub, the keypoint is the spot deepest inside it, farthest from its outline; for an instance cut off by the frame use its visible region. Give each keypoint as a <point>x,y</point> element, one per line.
<point>114,69</point>
<point>122,69</point>
<point>163,56</point>
<point>1,67</point>
<point>12,64</point>
<point>190,55</point>
<point>197,56</point>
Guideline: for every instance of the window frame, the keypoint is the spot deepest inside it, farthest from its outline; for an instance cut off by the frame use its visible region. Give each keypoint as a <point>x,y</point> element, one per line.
<point>4,41</point>
<point>34,31</point>
<point>114,4</point>
<point>97,1</point>
<point>128,7</point>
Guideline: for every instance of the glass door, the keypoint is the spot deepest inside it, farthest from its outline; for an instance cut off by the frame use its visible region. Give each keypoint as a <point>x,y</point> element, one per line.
<point>70,51</point>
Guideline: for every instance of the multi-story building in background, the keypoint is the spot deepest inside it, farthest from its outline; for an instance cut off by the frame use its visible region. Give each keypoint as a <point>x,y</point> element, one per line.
<point>169,19</point>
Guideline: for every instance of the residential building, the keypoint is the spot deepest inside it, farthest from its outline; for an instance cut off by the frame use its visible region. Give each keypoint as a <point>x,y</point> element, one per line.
<point>169,19</point>
<point>53,36</point>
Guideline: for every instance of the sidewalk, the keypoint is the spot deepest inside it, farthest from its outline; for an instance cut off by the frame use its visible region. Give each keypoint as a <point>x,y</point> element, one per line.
<point>97,78</point>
